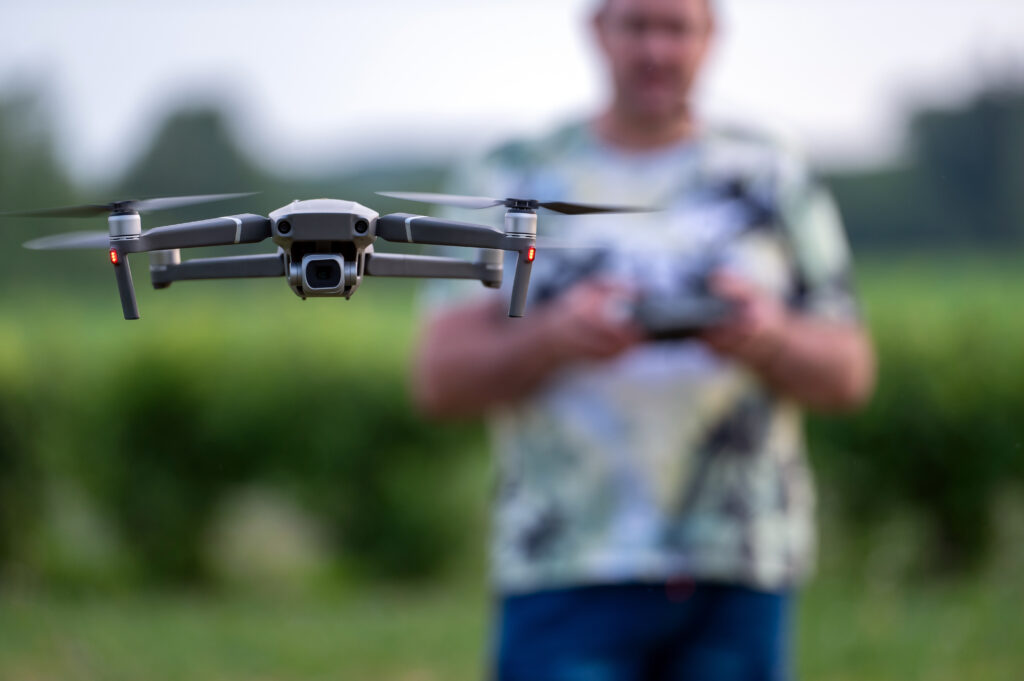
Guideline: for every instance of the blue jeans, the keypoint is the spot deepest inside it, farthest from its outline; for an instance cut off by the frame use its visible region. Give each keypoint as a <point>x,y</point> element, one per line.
<point>631,632</point>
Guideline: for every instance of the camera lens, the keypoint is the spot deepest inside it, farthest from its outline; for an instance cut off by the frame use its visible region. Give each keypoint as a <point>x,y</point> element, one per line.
<point>323,274</point>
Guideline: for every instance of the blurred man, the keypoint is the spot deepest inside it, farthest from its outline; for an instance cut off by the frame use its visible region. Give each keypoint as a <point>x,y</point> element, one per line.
<point>654,512</point>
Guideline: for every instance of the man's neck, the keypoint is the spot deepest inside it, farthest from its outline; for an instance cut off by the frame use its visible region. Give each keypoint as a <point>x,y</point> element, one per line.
<point>618,129</point>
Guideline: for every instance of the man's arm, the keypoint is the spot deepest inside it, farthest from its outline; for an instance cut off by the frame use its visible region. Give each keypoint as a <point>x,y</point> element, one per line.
<point>472,357</point>
<point>821,364</point>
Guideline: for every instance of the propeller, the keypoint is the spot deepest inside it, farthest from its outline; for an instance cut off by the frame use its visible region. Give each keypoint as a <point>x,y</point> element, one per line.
<point>564,207</point>
<point>128,206</point>
<point>236,229</point>
<point>70,240</point>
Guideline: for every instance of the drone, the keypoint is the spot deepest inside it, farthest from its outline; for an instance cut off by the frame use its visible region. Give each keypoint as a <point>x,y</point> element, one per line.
<point>325,247</point>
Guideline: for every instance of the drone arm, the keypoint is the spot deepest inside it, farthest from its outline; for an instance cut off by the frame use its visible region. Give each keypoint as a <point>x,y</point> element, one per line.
<point>125,286</point>
<point>521,282</point>
<point>390,265</point>
<point>235,229</point>
<point>232,267</point>
<point>419,229</point>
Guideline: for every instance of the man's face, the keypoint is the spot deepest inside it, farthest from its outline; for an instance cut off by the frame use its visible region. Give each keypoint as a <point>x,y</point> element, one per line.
<point>654,49</point>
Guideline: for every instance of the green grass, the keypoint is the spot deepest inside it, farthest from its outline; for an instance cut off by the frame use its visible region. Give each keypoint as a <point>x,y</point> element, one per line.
<point>847,631</point>
<point>375,634</point>
<point>852,631</point>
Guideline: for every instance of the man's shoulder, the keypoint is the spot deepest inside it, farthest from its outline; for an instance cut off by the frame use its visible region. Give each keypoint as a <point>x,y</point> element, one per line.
<point>747,151</point>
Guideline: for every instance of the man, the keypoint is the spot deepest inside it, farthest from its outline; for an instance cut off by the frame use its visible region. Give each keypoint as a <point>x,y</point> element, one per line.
<point>654,511</point>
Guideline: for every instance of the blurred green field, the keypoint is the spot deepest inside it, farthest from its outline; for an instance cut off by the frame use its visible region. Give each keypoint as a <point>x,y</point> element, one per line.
<point>847,631</point>
<point>225,385</point>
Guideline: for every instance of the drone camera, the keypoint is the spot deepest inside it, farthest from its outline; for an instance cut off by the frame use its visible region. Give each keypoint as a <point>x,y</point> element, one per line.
<point>325,275</point>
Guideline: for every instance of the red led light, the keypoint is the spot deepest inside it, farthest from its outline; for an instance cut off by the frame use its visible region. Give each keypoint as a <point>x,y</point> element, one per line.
<point>114,257</point>
<point>531,253</point>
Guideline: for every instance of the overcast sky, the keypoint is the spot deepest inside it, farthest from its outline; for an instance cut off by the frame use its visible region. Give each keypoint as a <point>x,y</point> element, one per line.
<point>328,82</point>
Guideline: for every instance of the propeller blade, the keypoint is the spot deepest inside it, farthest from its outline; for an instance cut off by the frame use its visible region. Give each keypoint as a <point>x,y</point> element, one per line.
<point>138,205</point>
<point>235,229</point>
<point>632,244</point>
<point>71,240</point>
<point>167,203</point>
<point>570,208</point>
<point>545,243</point>
<point>565,207</point>
<point>84,211</point>
<point>454,200</point>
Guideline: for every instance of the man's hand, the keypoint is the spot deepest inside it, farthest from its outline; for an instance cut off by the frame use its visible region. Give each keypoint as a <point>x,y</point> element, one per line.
<point>586,323</point>
<point>472,357</point>
<point>756,330</point>
<point>821,364</point>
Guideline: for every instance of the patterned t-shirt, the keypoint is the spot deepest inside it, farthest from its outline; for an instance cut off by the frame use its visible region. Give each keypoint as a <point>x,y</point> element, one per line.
<point>666,461</point>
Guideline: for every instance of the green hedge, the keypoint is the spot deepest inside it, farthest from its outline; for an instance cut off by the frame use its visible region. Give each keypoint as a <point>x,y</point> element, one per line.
<point>944,435</point>
<point>156,422</point>
<point>153,423</point>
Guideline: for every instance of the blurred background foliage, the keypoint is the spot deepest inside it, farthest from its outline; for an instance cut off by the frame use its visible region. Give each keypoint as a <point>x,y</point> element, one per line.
<point>238,438</point>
